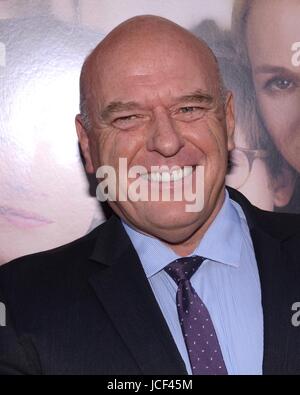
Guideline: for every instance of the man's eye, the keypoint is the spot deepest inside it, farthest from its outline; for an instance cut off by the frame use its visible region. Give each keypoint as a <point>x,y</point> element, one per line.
<point>280,84</point>
<point>126,118</point>
<point>189,113</point>
<point>186,110</point>
<point>126,121</point>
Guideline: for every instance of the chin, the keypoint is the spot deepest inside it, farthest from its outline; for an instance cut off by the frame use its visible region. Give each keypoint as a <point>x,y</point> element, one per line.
<point>173,235</point>
<point>168,221</point>
<point>174,223</point>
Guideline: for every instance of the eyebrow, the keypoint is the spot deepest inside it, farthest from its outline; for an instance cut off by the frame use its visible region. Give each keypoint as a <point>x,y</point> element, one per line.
<point>118,106</point>
<point>269,69</point>
<point>198,96</point>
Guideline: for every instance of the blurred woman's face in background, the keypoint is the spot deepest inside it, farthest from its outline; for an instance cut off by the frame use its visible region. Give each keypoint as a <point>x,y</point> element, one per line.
<point>44,200</point>
<point>44,196</point>
<point>273,27</point>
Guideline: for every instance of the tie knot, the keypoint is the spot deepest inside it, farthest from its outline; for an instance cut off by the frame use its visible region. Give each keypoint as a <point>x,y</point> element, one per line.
<point>184,268</point>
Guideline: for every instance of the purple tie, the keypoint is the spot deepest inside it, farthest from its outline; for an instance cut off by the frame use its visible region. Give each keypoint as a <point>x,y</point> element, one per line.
<point>198,331</point>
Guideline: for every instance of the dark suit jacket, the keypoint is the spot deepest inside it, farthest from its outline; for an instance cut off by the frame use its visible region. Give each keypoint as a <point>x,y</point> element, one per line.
<point>87,307</point>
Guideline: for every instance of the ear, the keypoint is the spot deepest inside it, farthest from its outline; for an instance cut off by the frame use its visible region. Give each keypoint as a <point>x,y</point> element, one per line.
<point>230,121</point>
<point>83,138</point>
<point>284,186</point>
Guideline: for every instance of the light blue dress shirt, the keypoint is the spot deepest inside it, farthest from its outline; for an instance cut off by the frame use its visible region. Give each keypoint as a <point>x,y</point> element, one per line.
<point>227,282</point>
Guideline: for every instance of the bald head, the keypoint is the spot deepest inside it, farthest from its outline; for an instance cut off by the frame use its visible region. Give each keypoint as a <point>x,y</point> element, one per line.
<point>151,95</point>
<point>143,40</point>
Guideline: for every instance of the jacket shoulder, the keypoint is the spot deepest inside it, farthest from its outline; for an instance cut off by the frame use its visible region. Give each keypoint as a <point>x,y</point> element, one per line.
<point>33,279</point>
<point>281,226</point>
<point>64,254</point>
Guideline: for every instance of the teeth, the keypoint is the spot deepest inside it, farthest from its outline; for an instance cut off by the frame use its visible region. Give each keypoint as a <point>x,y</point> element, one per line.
<point>166,176</point>
<point>181,173</point>
<point>177,175</point>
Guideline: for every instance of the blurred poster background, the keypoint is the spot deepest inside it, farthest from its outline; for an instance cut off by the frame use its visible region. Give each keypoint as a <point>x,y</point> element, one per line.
<point>45,197</point>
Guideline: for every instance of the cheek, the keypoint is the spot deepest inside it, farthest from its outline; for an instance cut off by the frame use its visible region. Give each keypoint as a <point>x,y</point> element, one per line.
<point>272,118</point>
<point>217,143</point>
<point>108,146</point>
<point>211,140</point>
<point>257,187</point>
<point>209,136</point>
<point>281,117</point>
<point>115,144</point>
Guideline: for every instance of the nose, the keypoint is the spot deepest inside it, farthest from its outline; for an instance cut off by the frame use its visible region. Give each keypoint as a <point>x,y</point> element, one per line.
<point>164,139</point>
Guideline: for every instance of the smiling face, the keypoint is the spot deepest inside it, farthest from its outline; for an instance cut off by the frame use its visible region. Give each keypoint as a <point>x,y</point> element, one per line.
<point>157,102</point>
<point>272,28</point>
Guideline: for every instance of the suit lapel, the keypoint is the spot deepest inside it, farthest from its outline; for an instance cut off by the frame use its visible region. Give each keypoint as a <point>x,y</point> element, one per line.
<point>124,292</point>
<point>274,286</point>
<point>269,234</point>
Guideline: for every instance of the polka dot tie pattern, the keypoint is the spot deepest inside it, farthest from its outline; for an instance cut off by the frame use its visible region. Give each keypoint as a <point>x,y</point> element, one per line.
<point>199,334</point>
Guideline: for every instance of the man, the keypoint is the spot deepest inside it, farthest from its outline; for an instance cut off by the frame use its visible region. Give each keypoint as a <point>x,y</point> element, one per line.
<point>158,289</point>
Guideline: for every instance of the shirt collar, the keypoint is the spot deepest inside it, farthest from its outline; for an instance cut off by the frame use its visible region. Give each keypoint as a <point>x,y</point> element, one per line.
<point>222,242</point>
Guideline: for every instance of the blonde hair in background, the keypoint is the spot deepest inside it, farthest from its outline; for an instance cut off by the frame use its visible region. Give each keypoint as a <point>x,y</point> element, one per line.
<point>240,14</point>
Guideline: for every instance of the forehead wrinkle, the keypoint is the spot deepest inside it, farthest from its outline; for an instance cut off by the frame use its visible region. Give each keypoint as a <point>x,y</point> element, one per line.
<point>118,106</point>
<point>199,96</point>
<point>145,36</point>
